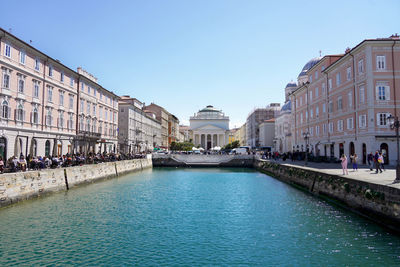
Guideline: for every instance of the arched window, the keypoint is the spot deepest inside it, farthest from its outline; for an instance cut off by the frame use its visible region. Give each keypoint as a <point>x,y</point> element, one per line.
<point>47,148</point>
<point>5,110</point>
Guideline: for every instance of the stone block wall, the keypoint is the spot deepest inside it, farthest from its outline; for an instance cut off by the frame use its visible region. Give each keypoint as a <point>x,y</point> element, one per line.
<point>19,186</point>
<point>381,203</point>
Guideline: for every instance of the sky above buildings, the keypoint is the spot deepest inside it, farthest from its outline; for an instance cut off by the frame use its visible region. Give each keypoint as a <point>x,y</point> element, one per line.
<point>184,55</point>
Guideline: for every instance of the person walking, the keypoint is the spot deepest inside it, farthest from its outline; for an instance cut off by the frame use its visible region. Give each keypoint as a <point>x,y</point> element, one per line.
<point>381,161</point>
<point>344,164</point>
<point>370,161</point>
<point>376,161</point>
<point>354,159</point>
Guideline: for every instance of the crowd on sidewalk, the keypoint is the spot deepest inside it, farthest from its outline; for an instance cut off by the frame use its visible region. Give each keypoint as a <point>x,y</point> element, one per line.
<point>376,162</point>
<point>15,164</point>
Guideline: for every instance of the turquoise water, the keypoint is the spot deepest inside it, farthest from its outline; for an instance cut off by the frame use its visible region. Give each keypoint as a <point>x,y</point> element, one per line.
<point>190,217</point>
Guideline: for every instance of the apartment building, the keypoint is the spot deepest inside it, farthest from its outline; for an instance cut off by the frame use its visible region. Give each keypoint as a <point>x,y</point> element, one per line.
<point>344,105</point>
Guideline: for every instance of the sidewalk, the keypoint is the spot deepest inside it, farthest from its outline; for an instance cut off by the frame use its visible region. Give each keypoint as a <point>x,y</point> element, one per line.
<point>363,174</point>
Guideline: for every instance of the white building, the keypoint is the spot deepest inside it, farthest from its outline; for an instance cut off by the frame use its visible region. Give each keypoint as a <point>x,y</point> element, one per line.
<point>209,128</point>
<point>267,133</point>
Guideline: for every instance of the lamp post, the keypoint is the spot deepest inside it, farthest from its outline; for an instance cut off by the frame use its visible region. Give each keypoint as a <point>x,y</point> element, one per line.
<point>306,137</point>
<point>394,124</point>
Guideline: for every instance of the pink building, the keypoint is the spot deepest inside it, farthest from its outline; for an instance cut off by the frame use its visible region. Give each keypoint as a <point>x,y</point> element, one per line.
<point>39,102</point>
<point>344,105</point>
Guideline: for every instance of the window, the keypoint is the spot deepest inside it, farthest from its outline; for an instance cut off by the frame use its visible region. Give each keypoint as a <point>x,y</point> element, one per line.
<point>362,95</point>
<point>94,91</point>
<point>306,115</point>
<point>7,50</point>
<point>100,112</point>
<point>331,127</point>
<point>297,103</point>
<point>339,103</point>
<point>50,71</point>
<point>380,62</point>
<point>71,81</point>
<point>310,78</point>
<point>310,95</point>
<point>301,118</point>
<point>70,122</point>
<point>5,110</point>
<point>20,113</point>
<point>323,88</point>
<point>6,80</point>
<point>330,84</point>
<point>350,99</point>
<point>61,100</point>
<point>301,100</point>
<point>323,108</point>
<point>22,57</point>
<point>88,108</point>
<point>316,75</point>
<point>94,110</point>
<point>101,95</point>
<point>61,119</point>
<point>82,106</point>
<point>21,85</point>
<point>350,123</point>
<point>62,77</point>
<point>82,87</point>
<point>311,131</point>
<point>362,121</point>
<point>316,92</point>
<point>382,91</point>
<point>37,64</point>
<point>35,89</point>
<point>35,115</point>
<point>381,118</point>
<point>322,68</point>
<point>106,114</point>
<point>317,111</point>
<point>50,94</point>
<point>340,125</point>
<point>311,113</point>
<point>360,66</point>
<point>88,89</point>
<point>338,79</point>
<point>71,101</point>
<point>330,107</point>
<point>324,128</point>
<point>348,72</point>
<point>49,117</point>
<point>317,130</point>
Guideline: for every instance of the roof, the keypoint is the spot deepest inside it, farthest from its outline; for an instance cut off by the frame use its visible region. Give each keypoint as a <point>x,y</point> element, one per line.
<point>309,65</point>
<point>287,106</point>
<point>270,120</point>
<point>209,108</point>
<point>291,84</point>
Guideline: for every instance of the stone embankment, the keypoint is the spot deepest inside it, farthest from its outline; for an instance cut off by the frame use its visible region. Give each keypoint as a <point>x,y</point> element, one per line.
<point>193,160</point>
<point>379,202</point>
<point>19,186</point>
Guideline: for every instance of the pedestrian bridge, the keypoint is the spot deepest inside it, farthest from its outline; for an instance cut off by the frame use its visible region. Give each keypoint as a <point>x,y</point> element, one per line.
<point>194,160</point>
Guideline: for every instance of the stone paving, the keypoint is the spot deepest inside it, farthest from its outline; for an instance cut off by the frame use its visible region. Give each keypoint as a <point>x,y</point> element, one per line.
<point>363,174</point>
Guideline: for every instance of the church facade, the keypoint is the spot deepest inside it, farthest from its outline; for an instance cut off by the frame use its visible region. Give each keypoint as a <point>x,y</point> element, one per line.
<point>209,128</point>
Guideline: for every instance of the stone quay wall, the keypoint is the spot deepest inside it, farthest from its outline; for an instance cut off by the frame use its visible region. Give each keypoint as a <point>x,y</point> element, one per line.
<point>193,160</point>
<point>19,186</point>
<point>380,203</point>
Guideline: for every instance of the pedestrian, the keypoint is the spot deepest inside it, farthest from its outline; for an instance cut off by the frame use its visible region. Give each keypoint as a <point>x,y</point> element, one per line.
<point>371,161</point>
<point>344,164</point>
<point>354,159</point>
<point>381,160</point>
<point>376,161</point>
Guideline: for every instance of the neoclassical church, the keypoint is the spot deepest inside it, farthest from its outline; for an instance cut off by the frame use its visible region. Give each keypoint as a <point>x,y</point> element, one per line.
<point>209,128</point>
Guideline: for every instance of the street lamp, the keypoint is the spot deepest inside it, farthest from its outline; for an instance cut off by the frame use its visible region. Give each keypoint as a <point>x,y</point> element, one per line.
<point>395,124</point>
<point>306,137</point>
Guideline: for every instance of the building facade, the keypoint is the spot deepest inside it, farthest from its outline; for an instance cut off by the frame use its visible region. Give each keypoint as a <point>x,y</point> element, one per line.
<point>255,118</point>
<point>209,128</point>
<point>139,131</point>
<point>163,117</point>
<point>267,133</point>
<point>344,105</point>
<point>38,99</point>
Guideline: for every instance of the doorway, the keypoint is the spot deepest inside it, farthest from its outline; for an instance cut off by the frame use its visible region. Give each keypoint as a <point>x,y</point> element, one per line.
<point>385,152</point>
<point>364,153</point>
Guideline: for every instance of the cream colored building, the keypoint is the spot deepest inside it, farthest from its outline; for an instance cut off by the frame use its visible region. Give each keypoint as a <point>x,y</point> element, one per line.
<point>210,128</point>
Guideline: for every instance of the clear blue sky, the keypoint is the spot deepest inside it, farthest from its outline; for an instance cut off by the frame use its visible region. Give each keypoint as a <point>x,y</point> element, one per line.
<point>184,55</point>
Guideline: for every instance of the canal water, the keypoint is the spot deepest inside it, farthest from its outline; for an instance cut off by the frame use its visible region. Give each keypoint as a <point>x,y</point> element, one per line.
<point>190,217</point>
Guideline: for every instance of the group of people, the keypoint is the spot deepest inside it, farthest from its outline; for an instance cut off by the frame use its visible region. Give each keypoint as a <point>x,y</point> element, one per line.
<point>374,161</point>
<point>15,164</point>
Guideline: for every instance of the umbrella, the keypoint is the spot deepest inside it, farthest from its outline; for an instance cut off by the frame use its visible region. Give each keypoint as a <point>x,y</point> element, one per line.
<point>217,148</point>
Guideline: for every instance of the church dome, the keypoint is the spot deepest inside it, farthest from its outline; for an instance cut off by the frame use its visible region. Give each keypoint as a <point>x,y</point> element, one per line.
<point>287,106</point>
<point>291,84</point>
<point>209,108</point>
<point>309,65</point>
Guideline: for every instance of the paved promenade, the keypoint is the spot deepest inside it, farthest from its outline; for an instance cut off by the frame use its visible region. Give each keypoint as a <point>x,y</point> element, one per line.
<point>363,174</point>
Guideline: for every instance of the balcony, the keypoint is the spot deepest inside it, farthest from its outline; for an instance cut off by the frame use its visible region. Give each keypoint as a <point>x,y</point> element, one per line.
<point>89,134</point>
